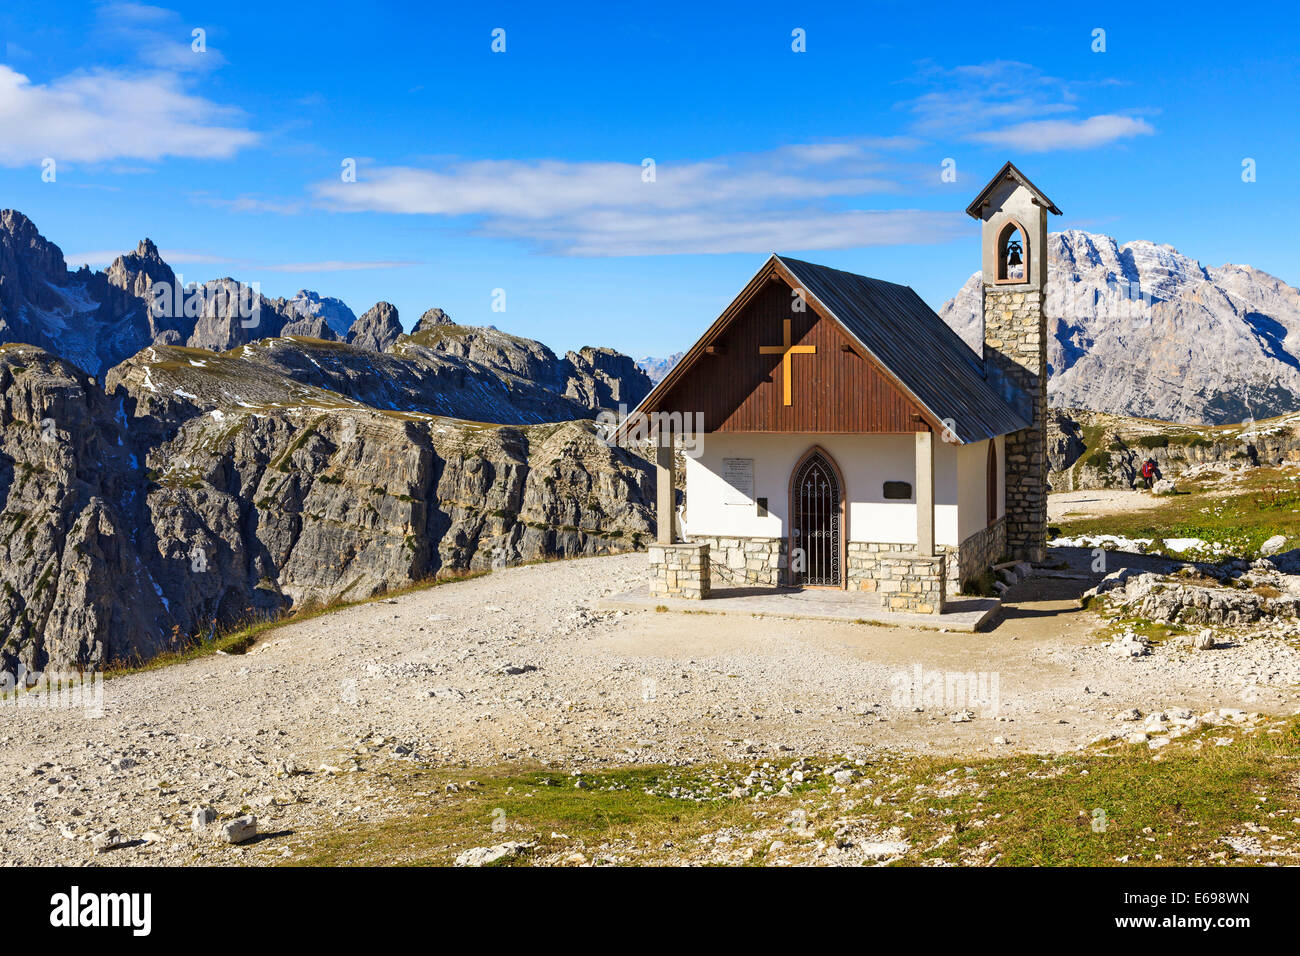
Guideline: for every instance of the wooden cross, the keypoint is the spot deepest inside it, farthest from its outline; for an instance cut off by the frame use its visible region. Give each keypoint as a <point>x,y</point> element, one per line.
<point>785,350</point>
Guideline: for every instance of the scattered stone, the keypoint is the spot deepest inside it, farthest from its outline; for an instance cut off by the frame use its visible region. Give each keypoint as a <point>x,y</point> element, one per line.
<point>884,849</point>
<point>110,839</point>
<point>239,830</point>
<point>1130,644</point>
<point>484,856</point>
<point>510,669</point>
<point>1273,545</point>
<point>201,818</point>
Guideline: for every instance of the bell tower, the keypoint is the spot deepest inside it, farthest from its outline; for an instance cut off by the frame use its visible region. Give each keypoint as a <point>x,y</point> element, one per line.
<point>1013,215</point>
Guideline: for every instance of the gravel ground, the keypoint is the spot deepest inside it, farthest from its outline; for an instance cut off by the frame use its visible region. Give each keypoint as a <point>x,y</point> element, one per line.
<point>517,666</point>
<point>1095,502</point>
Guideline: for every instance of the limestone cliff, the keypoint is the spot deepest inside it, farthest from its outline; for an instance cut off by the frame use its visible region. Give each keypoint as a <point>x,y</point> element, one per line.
<point>205,489</point>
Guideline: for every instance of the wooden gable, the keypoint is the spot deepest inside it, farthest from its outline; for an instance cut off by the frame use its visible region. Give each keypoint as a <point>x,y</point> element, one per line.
<point>739,388</point>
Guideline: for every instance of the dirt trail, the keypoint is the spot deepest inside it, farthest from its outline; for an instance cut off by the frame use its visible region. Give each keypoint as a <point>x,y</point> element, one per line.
<point>515,666</point>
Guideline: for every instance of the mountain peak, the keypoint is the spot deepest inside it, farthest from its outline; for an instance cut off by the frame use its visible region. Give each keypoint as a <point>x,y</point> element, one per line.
<point>335,312</point>
<point>1141,329</point>
<point>147,250</point>
<point>432,319</point>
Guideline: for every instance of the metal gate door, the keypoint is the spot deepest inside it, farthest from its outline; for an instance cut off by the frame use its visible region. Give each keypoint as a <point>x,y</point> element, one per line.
<point>816,524</point>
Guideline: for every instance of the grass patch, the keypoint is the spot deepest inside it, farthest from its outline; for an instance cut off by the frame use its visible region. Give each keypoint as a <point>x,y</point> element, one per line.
<point>1156,632</point>
<point>1099,807</point>
<point>1265,503</point>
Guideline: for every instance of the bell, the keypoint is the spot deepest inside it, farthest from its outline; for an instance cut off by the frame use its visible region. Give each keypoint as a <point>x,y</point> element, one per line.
<point>1013,253</point>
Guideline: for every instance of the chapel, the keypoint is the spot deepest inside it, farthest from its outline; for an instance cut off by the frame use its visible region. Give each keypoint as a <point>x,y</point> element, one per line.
<point>850,439</point>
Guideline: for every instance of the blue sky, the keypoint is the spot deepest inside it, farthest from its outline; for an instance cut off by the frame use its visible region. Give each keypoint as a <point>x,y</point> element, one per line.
<point>523,170</point>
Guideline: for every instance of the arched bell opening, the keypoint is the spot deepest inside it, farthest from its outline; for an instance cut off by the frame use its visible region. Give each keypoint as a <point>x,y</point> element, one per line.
<point>1012,253</point>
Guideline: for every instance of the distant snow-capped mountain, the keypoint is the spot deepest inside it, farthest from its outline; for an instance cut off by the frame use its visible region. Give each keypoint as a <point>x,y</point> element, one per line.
<point>334,311</point>
<point>657,368</point>
<point>1141,329</point>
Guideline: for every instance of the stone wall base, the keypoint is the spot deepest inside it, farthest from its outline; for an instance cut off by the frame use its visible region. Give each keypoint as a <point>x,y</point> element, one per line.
<point>746,561</point>
<point>905,580</point>
<point>967,562</point>
<point>679,570</point>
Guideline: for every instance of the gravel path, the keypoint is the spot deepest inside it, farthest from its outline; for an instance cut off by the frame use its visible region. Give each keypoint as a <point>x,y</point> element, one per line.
<point>516,666</point>
<point>1095,502</point>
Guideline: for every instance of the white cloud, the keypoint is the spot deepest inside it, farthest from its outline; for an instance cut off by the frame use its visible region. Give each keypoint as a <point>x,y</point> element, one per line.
<point>107,115</point>
<point>796,197</point>
<point>1005,103</point>
<point>158,37</point>
<point>1042,135</point>
<point>254,204</point>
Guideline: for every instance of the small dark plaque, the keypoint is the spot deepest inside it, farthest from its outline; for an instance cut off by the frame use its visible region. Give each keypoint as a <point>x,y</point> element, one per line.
<point>898,489</point>
<point>762,507</point>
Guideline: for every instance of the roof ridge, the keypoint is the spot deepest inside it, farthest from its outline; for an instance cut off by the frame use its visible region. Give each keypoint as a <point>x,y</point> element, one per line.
<point>856,275</point>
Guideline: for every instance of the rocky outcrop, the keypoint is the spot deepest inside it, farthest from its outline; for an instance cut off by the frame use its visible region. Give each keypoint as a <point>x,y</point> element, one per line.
<point>235,460</point>
<point>1241,596</point>
<point>1217,344</point>
<point>310,326</point>
<point>97,319</point>
<point>1095,450</point>
<point>603,378</point>
<point>431,319</point>
<point>592,378</point>
<point>484,346</point>
<point>1065,442</point>
<point>207,490</point>
<point>377,329</point>
<point>71,582</point>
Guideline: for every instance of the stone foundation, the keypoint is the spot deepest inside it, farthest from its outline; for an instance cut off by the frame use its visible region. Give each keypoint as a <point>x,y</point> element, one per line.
<point>905,580</point>
<point>679,570</point>
<point>975,555</point>
<point>759,562</point>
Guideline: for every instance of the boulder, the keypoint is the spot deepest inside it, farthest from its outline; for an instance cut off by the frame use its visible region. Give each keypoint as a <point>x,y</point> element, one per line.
<point>1273,545</point>
<point>485,856</point>
<point>239,830</point>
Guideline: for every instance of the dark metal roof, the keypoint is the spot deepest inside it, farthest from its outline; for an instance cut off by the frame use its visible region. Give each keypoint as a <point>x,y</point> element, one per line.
<point>904,334</point>
<point>974,210</point>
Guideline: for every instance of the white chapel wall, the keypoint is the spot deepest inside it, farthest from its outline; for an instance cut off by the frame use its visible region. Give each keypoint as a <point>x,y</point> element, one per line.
<point>867,461</point>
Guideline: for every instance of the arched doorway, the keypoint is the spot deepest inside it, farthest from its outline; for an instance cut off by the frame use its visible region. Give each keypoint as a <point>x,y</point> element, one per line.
<point>816,522</point>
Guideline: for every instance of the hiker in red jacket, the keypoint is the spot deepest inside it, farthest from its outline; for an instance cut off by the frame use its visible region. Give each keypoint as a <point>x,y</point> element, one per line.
<point>1149,472</point>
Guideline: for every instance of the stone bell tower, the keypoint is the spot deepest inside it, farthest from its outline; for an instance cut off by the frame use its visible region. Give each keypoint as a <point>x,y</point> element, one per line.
<point>1013,213</point>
